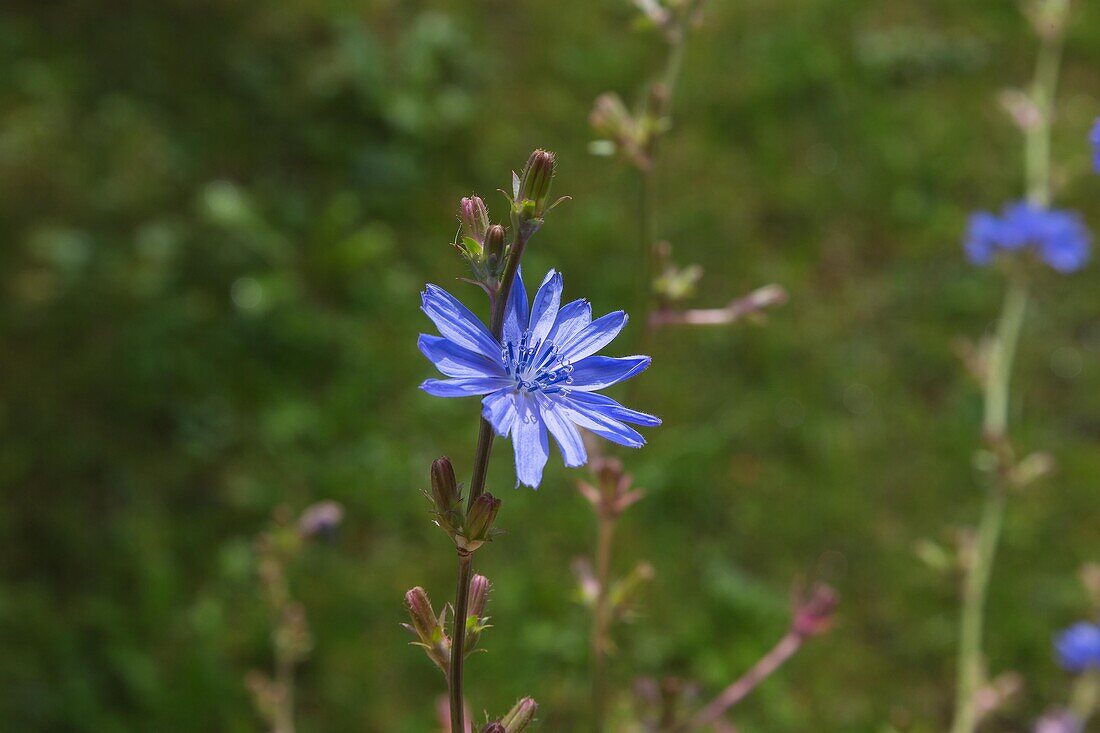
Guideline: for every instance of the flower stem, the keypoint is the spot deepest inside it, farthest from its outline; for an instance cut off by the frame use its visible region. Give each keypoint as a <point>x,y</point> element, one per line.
<point>996,397</point>
<point>1086,696</point>
<point>741,687</point>
<point>601,620</point>
<point>969,666</point>
<point>482,453</point>
<point>284,712</point>
<point>1037,143</point>
<point>666,87</point>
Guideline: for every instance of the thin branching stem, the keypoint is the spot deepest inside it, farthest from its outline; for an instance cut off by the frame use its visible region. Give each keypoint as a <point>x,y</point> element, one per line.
<point>661,99</point>
<point>970,674</point>
<point>740,688</point>
<point>482,453</point>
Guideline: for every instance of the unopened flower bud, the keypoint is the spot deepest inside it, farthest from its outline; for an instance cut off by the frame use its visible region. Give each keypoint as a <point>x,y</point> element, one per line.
<point>520,716</point>
<point>494,245</point>
<point>479,595</point>
<point>424,621</point>
<point>813,613</point>
<point>479,522</point>
<point>444,484</point>
<point>445,495</point>
<point>494,727</point>
<point>534,186</point>
<point>474,217</point>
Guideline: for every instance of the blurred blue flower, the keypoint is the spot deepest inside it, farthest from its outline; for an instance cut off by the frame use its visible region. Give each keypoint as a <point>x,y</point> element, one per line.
<point>1058,238</point>
<point>1078,647</point>
<point>1094,138</point>
<point>543,375</point>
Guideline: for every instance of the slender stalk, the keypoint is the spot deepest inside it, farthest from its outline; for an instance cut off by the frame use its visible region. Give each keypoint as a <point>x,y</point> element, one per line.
<point>666,87</point>
<point>601,620</point>
<point>1086,696</point>
<point>1037,143</point>
<point>482,453</point>
<point>284,678</point>
<point>970,675</point>
<point>969,666</point>
<point>741,687</point>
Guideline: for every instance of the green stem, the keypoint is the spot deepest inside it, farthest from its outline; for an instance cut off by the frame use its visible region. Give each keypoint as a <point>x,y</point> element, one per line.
<point>1002,353</point>
<point>1086,696</point>
<point>284,677</point>
<point>1037,142</point>
<point>482,453</point>
<point>970,675</point>
<point>970,671</point>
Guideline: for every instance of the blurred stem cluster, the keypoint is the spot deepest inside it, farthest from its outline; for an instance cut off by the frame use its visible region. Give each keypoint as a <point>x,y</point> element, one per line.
<point>1049,20</point>
<point>277,549</point>
<point>634,135</point>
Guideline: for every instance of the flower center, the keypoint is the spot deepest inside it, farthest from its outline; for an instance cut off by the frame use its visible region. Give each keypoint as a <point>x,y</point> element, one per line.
<point>536,366</point>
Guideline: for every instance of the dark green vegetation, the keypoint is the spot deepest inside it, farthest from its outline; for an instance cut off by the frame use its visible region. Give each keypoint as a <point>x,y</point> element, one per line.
<point>216,218</point>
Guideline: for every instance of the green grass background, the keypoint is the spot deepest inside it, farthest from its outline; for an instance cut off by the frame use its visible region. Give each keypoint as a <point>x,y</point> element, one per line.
<point>216,216</point>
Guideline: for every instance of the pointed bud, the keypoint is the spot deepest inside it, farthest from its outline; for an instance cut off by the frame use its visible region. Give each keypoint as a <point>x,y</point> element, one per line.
<point>479,595</point>
<point>424,621</point>
<point>474,217</point>
<point>479,521</point>
<point>494,727</point>
<point>445,496</point>
<point>520,716</point>
<point>537,177</point>
<point>494,245</point>
<point>476,620</point>
<point>444,485</point>
<point>531,191</point>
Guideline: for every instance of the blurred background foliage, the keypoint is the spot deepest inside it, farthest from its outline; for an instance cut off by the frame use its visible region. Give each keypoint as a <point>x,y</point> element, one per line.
<point>216,216</point>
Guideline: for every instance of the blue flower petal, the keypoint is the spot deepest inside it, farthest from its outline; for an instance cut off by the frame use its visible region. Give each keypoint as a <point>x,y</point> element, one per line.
<point>594,337</point>
<point>572,319</point>
<point>597,421</point>
<point>566,435</point>
<point>529,440</point>
<point>982,237</point>
<point>1064,241</point>
<point>611,408</point>
<point>499,408</point>
<point>455,361</point>
<point>467,387</point>
<point>515,315</point>
<point>597,372</point>
<point>457,323</point>
<point>544,312</point>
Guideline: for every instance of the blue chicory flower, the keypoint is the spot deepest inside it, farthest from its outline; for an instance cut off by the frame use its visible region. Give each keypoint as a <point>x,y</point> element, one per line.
<point>1078,647</point>
<point>1058,238</point>
<point>543,375</point>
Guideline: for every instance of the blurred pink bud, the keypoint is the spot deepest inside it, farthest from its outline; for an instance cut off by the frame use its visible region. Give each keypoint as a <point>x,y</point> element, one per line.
<point>813,612</point>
